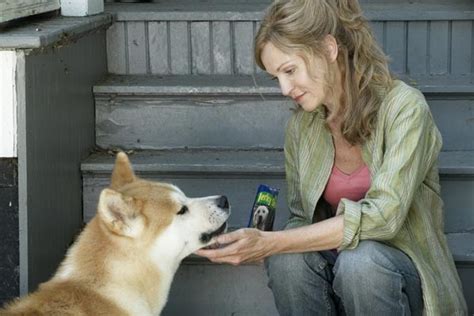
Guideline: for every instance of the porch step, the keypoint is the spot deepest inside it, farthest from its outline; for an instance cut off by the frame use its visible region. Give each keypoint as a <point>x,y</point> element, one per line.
<point>160,112</point>
<point>216,36</point>
<point>229,111</point>
<point>220,290</point>
<point>203,288</point>
<point>246,10</point>
<point>243,290</point>
<point>237,174</point>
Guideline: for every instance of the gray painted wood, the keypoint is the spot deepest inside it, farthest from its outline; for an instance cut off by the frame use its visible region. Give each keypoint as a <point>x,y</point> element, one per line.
<point>200,48</point>
<point>238,173</point>
<point>454,118</point>
<point>22,173</point>
<point>116,49</point>
<point>396,45</point>
<point>179,48</point>
<point>459,203</point>
<point>177,122</point>
<point>439,47</point>
<point>243,47</point>
<point>57,124</point>
<point>417,47</point>
<point>48,31</point>
<point>22,8</point>
<point>181,111</point>
<point>240,189</point>
<point>379,29</point>
<point>221,47</point>
<point>179,10</point>
<point>258,71</point>
<point>220,290</point>
<point>159,47</point>
<point>466,274</point>
<point>461,47</point>
<point>137,48</point>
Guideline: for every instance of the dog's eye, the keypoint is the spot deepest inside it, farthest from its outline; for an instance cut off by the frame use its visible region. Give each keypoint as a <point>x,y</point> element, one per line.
<point>183,210</point>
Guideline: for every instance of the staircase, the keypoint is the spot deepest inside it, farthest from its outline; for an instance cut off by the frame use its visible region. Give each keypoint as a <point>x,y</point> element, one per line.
<point>184,95</point>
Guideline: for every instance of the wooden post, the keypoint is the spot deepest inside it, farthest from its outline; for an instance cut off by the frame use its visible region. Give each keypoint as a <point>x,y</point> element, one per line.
<point>81,7</point>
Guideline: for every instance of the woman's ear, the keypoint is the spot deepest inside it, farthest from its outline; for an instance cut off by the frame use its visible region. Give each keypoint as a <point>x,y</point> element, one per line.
<point>331,48</point>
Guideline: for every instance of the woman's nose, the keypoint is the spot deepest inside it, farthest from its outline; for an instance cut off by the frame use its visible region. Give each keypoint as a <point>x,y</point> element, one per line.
<point>285,87</point>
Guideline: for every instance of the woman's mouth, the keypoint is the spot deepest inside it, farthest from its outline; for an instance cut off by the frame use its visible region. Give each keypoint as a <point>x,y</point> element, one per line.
<point>299,97</point>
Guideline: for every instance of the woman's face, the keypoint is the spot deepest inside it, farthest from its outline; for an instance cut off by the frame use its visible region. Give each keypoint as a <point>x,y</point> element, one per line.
<point>294,79</point>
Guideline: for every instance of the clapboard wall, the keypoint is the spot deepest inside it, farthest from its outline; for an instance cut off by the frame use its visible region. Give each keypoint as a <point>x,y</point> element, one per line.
<point>56,126</point>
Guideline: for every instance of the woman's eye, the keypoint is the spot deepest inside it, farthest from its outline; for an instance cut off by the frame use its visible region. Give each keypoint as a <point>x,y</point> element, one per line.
<point>183,210</point>
<point>290,71</point>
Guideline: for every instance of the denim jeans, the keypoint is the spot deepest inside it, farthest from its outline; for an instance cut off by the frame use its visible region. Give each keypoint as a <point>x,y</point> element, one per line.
<point>372,279</point>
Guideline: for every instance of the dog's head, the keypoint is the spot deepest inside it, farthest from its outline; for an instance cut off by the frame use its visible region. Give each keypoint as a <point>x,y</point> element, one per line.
<point>159,215</point>
<point>262,210</point>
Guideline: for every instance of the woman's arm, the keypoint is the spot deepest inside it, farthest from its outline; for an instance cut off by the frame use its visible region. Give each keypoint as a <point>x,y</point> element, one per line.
<point>412,144</point>
<point>248,244</point>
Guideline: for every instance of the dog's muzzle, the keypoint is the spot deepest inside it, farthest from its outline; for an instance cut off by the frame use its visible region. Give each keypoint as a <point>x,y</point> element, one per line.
<point>223,203</point>
<point>206,237</point>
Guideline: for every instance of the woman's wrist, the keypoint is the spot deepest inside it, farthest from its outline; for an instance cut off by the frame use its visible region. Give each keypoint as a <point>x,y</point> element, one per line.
<point>274,241</point>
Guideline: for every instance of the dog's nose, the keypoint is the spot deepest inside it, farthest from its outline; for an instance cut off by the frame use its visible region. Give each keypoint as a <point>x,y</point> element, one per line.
<point>222,202</point>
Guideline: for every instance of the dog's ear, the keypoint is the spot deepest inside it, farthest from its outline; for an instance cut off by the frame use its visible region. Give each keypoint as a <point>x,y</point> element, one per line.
<point>119,213</point>
<point>123,172</point>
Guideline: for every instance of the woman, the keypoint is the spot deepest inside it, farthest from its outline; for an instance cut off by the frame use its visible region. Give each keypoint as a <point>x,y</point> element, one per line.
<point>361,166</point>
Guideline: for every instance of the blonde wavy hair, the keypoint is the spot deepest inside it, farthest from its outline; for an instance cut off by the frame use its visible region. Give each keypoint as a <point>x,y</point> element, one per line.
<point>300,26</point>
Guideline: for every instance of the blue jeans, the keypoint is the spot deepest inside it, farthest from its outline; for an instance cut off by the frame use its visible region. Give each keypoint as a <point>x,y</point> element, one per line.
<point>372,279</point>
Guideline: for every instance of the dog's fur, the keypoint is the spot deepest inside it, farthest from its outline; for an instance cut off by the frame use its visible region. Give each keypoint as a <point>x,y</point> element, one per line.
<point>124,261</point>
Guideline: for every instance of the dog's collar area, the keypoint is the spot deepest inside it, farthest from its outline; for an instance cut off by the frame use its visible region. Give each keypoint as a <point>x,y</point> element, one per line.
<point>206,237</point>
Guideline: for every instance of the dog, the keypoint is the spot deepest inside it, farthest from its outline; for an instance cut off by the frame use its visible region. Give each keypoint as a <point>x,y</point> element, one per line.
<point>124,260</point>
<point>260,217</point>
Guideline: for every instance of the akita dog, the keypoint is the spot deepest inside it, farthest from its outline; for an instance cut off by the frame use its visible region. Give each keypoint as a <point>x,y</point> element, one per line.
<point>124,260</point>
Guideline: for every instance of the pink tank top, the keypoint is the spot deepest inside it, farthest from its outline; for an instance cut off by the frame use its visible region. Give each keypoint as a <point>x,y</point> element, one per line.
<point>352,186</point>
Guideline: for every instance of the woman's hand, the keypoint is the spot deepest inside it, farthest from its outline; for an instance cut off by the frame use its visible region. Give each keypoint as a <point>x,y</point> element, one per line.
<point>243,245</point>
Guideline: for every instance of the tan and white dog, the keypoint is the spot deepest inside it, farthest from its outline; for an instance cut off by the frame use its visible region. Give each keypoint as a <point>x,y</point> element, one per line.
<point>124,261</point>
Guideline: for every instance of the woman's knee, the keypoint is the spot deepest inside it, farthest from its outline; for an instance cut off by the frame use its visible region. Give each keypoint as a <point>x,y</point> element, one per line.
<point>372,262</point>
<point>284,266</point>
<point>296,267</point>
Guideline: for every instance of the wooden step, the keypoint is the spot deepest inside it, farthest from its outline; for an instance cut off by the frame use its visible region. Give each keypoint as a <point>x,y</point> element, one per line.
<point>216,37</point>
<point>227,111</point>
<point>237,174</point>
<point>243,290</point>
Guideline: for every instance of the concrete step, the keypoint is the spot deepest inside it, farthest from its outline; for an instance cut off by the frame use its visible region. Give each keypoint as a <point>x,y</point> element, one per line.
<point>216,36</point>
<point>237,174</point>
<point>227,111</point>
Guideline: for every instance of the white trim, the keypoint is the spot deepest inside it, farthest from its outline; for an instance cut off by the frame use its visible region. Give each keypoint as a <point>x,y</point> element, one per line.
<point>81,7</point>
<point>22,172</point>
<point>8,105</point>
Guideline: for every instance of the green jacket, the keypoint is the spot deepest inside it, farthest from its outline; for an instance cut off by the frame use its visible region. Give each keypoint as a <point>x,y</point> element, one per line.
<point>403,206</point>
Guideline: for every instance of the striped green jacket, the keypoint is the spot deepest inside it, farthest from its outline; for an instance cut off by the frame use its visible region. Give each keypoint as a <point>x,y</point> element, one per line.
<point>402,207</point>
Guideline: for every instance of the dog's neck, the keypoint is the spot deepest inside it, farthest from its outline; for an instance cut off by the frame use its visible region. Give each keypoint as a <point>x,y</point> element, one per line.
<point>143,284</point>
